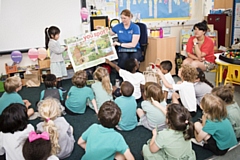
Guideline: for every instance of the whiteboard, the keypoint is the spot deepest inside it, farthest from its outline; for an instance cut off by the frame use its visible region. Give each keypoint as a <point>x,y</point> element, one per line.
<point>22,22</point>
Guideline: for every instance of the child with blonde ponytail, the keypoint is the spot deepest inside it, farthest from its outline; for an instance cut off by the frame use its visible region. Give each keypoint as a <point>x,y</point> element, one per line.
<point>102,88</point>
<point>60,131</point>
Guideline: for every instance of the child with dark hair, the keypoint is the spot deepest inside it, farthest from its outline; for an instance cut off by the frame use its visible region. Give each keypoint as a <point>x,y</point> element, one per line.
<point>186,95</point>
<point>166,67</point>
<point>50,82</point>
<point>14,129</point>
<point>201,86</point>
<point>96,135</point>
<point>38,147</point>
<point>57,66</point>
<point>128,106</point>
<point>131,75</point>
<point>151,116</point>
<point>12,85</point>
<point>173,142</point>
<point>79,94</point>
<point>226,93</point>
<point>215,132</point>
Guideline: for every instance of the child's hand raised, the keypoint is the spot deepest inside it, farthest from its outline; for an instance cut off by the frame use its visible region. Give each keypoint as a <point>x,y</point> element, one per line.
<point>158,71</point>
<point>107,61</point>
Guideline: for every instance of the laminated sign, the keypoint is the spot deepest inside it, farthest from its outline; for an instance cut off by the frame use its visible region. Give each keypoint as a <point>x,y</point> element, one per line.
<point>91,49</point>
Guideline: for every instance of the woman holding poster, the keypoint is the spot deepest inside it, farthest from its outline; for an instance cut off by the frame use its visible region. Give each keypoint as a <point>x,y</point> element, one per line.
<point>128,37</point>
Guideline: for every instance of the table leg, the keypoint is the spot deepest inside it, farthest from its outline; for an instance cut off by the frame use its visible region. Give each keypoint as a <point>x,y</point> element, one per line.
<point>221,73</point>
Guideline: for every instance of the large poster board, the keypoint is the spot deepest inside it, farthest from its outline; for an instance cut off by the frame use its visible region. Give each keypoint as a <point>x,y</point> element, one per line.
<point>90,49</point>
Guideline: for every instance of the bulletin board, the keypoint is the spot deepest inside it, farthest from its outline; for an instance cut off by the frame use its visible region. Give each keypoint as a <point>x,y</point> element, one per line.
<point>155,9</point>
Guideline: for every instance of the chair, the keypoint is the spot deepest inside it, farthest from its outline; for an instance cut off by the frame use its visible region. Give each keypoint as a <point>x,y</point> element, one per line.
<point>233,75</point>
<point>143,39</point>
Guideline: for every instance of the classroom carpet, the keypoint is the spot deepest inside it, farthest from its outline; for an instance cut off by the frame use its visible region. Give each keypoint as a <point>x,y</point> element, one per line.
<point>135,138</point>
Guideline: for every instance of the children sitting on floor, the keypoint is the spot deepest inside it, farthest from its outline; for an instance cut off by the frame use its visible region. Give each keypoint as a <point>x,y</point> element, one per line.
<point>226,93</point>
<point>79,94</point>
<point>11,86</point>
<point>215,132</point>
<point>128,106</point>
<point>166,67</point>
<point>60,131</point>
<point>50,82</point>
<point>38,146</point>
<point>186,95</point>
<point>201,86</point>
<point>14,129</point>
<point>101,141</point>
<point>131,75</point>
<point>102,88</point>
<point>150,116</point>
<point>173,142</point>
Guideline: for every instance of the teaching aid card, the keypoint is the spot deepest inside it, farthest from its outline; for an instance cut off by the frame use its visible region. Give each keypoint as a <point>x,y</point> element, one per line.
<point>91,49</point>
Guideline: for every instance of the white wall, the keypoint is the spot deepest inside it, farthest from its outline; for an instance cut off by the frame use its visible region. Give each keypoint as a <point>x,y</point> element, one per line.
<point>197,16</point>
<point>22,23</point>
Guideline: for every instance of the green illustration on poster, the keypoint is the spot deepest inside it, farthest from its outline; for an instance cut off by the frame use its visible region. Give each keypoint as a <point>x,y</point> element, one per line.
<point>155,9</point>
<point>90,49</point>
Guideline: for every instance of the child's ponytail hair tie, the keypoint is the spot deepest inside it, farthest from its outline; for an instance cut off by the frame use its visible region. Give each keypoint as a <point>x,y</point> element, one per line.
<point>48,119</point>
<point>187,124</point>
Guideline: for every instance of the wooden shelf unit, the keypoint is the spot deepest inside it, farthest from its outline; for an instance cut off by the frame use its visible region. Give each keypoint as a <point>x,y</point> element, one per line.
<point>162,48</point>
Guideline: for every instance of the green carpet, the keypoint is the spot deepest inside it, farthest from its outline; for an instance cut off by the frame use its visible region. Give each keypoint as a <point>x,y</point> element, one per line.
<point>135,138</point>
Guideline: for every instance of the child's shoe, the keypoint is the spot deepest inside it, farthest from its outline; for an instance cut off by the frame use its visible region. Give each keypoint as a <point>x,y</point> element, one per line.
<point>34,116</point>
<point>197,143</point>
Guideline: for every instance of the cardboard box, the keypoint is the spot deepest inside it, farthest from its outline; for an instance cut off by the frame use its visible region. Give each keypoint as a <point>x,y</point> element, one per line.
<point>32,79</point>
<point>23,82</point>
<point>44,63</point>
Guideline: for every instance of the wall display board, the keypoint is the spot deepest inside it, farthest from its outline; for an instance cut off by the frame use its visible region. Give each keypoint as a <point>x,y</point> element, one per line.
<point>156,9</point>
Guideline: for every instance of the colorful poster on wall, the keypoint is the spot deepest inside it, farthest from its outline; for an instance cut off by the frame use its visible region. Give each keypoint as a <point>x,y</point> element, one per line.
<point>155,9</point>
<point>185,34</point>
<point>90,49</point>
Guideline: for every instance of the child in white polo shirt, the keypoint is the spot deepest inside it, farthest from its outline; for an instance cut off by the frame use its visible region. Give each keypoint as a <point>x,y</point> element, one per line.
<point>131,75</point>
<point>186,95</point>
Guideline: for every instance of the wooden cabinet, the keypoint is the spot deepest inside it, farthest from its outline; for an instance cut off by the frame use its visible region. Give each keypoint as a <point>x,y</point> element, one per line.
<point>223,4</point>
<point>223,24</point>
<point>162,48</point>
